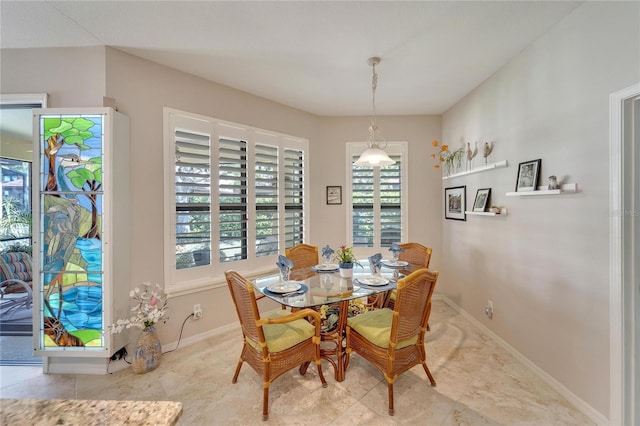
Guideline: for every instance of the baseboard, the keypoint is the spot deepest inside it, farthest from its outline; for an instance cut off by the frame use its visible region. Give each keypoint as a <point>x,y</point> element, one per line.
<point>171,346</point>
<point>577,402</point>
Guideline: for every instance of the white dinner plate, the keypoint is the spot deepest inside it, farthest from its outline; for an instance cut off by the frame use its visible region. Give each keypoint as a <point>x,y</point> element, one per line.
<point>286,287</point>
<point>373,280</point>
<point>326,267</point>
<point>394,263</point>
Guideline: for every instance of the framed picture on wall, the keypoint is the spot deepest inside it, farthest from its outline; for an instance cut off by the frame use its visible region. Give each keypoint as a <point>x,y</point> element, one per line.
<point>455,201</point>
<point>528,175</point>
<point>482,199</point>
<point>334,195</point>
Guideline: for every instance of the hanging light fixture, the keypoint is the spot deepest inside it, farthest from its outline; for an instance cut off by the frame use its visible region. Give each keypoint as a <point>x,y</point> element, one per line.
<point>374,155</point>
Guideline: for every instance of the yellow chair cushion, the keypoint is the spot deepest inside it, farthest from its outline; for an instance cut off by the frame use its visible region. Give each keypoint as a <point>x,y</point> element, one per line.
<point>375,326</point>
<point>393,294</point>
<point>284,336</point>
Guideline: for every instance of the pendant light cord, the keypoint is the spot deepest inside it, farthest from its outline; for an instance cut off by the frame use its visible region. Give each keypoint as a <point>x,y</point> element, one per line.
<point>374,86</point>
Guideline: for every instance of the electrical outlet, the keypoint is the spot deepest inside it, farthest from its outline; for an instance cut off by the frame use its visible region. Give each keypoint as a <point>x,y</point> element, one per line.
<point>488,310</point>
<point>197,311</point>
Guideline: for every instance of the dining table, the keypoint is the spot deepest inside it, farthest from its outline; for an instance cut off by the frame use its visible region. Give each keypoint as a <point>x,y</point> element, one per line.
<point>322,285</point>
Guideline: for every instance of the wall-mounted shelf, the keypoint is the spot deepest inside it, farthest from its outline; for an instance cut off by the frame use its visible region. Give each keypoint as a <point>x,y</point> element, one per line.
<point>567,188</point>
<point>503,212</point>
<point>491,166</point>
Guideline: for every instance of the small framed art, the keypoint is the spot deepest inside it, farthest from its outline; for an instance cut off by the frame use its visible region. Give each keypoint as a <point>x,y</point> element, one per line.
<point>334,195</point>
<point>455,200</point>
<point>528,175</point>
<point>482,199</point>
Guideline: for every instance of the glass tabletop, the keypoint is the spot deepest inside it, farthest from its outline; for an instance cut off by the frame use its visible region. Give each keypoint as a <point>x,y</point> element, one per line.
<point>317,289</point>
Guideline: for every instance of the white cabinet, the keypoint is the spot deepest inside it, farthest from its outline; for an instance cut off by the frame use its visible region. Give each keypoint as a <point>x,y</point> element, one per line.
<point>81,209</point>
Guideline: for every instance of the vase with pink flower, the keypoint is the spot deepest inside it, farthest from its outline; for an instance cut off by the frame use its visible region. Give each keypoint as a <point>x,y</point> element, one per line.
<point>346,259</point>
<point>150,306</point>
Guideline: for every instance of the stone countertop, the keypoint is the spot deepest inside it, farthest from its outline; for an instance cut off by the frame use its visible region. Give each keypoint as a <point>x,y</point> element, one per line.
<point>18,412</point>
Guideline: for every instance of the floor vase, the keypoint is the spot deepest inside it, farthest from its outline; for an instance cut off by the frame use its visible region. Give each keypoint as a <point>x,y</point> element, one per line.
<point>148,352</point>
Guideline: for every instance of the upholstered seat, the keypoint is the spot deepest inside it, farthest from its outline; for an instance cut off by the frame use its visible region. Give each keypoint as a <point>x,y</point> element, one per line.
<point>15,266</point>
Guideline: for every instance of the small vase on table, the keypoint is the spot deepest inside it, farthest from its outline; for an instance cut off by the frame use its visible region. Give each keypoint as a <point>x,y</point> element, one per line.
<point>346,270</point>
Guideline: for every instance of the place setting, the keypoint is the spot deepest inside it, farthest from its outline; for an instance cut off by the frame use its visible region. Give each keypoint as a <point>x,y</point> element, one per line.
<point>327,266</point>
<point>375,280</point>
<point>286,289</point>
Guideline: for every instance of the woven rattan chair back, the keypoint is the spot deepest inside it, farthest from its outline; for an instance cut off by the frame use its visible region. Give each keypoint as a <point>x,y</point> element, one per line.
<point>244,299</point>
<point>412,304</point>
<point>302,256</point>
<point>416,254</point>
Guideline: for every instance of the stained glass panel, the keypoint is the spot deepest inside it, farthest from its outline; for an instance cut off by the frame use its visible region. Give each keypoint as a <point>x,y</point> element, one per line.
<point>71,212</point>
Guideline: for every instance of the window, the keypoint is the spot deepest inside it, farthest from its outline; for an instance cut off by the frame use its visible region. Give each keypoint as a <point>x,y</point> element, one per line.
<point>15,202</point>
<point>378,203</point>
<point>240,198</point>
<point>16,146</point>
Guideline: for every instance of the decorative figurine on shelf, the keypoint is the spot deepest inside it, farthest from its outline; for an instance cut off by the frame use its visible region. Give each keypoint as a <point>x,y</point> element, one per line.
<point>553,183</point>
<point>471,154</point>
<point>487,150</point>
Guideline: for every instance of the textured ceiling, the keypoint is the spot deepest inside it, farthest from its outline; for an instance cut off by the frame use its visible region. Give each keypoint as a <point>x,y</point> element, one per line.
<point>308,55</point>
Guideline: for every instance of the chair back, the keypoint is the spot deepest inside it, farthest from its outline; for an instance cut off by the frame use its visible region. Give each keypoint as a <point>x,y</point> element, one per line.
<point>411,309</point>
<point>302,256</point>
<point>244,299</point>
<point>416,254</point>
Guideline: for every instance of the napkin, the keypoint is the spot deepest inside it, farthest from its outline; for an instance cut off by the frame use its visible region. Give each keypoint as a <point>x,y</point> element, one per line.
<point>327,252</point>
<point>284,263</point>
<point>395,248</point>
<point>375,263</point>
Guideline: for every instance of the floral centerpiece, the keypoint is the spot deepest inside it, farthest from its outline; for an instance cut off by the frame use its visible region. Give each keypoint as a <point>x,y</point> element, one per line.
<point>345,255</point>
<point>329,314</point>
<point>450,159</point>
<point>346,259</point>
<point>150,306</point>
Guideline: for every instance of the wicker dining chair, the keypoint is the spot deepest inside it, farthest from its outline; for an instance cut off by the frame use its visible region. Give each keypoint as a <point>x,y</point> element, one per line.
<point>274,345</point>
<point>302,256</point>
<point>393,340</point>
<point>418,257</point>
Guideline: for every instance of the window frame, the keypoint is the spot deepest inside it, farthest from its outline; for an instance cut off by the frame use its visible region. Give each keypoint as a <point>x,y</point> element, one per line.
<point>393,148</point>
<point>188,280</point>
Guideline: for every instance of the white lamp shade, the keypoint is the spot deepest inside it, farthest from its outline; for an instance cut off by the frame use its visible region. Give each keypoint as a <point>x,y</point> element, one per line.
<point>374,157</point>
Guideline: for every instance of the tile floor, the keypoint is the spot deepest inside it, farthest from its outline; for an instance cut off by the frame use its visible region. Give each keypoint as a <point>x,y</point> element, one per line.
<point>479,383</point>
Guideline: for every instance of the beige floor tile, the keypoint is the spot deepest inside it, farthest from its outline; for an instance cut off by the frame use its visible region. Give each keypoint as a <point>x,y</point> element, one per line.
<point>478,383</point>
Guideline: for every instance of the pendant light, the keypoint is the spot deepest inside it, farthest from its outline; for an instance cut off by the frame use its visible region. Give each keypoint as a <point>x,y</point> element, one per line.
<point>374,155</point>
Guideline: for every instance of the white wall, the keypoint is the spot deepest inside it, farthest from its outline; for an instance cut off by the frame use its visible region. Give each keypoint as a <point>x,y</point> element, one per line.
<point>545,265</point>
<point>70,76</point>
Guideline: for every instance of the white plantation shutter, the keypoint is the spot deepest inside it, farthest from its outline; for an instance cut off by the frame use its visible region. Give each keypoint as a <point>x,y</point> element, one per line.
<point>267,202</point>
<point>363,201</point>
<point>258,206</point>
<point>192,199</point>
<point>378,207</point>
<point>390,187</point>
<point>294,181</point>
<point>232,199</point>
